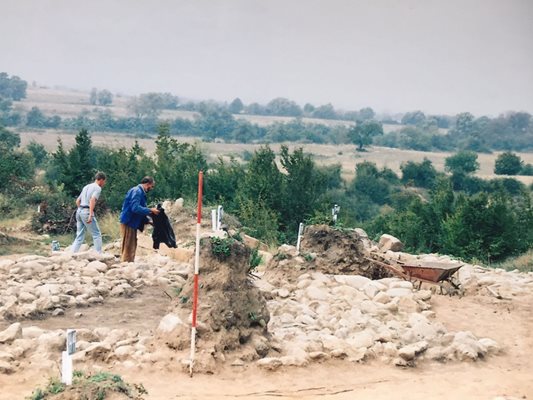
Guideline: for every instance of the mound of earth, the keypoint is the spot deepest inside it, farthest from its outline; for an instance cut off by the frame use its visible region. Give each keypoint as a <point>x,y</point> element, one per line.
<point>232,313</point>
<point>101,385</point>
<point>327,250</point>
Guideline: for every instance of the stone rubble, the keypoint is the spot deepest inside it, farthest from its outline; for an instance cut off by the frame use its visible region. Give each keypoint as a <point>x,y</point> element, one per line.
<point>353,317</point>
<point>314,317</point>
<point>35,286</point>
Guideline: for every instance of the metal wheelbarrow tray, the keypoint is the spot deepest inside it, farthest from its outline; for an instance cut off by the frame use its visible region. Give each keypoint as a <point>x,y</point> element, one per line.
<point>435,273</point>
<point>432,272</point>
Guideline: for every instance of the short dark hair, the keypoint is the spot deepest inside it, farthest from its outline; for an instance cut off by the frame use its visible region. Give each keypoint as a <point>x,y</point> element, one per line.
<point>147,179</point>
<point>100,176</point>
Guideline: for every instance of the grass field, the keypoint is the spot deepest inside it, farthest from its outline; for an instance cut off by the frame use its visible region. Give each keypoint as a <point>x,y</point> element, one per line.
<point>68,103</point>
<point>323,154</point>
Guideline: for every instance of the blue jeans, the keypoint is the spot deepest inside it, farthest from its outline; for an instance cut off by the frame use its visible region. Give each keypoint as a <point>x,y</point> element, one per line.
<point>82,215</point>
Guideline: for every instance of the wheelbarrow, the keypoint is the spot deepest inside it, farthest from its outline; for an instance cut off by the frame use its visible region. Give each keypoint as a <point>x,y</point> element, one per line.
<point>435,273</point>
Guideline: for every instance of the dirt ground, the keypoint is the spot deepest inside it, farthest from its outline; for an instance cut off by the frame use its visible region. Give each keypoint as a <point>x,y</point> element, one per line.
<point>140,313</point>
<point>508,374</point>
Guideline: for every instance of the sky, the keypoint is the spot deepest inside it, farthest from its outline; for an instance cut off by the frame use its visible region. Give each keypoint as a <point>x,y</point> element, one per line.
<point>438,56</point>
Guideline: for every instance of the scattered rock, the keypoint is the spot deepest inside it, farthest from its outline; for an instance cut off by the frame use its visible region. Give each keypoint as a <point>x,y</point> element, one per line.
<point>14,331</point>
<point>270,363</point>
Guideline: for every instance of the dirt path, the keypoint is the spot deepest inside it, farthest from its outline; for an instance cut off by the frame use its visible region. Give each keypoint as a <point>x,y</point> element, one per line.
<point>339,380</point>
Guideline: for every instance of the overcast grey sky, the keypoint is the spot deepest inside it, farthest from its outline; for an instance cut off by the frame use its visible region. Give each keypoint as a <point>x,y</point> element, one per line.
<point>440,56</point>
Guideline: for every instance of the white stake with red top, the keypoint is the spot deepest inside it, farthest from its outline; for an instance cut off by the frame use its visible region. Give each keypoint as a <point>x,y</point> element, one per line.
<point>196,271</point>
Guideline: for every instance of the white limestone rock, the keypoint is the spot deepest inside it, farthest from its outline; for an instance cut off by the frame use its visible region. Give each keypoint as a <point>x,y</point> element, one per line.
<point>389,242</point>
<point>12,332</point>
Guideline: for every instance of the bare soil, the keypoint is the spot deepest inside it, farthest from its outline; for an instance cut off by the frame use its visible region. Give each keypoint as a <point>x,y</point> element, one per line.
<point>140,313</point>
<point>508,374</point>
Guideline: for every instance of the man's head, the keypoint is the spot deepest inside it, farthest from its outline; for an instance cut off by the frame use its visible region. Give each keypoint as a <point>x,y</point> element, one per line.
<point>148,183</point>
<point>100,179</point>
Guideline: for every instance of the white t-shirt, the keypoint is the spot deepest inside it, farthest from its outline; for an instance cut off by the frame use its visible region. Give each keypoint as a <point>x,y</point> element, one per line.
<point>89,191</point>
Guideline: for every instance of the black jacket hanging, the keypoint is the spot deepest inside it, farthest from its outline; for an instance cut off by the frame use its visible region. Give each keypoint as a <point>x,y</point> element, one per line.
<point>163,232</point>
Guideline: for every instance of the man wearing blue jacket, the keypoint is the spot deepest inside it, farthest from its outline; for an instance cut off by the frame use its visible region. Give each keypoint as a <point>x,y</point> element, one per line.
<point>134,216</point>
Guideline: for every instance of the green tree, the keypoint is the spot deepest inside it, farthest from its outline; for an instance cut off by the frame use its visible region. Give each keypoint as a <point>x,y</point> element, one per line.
<point>58,166</point>
<point>177,167</point>
<point>8,139</point>
<point>463,162</point>
<point>419,174</point>
<point>326,112</point>
<point>13,87</point>
<point>527,170</point>
<point>16,167</point>
<point>105,97</point>
<point>302,188</point>
<point>508,164</point>
<point>370,182</point>
<point>283,107</point>
<point>366,113</point>
<point>124,168</point>
<point>262,181</point>
<point>81,163</point>
<point>308,109</point>
<point>39,153</point>
<point>259,220</point>
<point>150,105</point>
<point>93,98</point>
<point>236,106</point>
<point>35,118</point>
<point>73,169</point>
<point>413,118</point>
<point>465,124</point>
<point>363,132</point>
<point>222,183</point>
<point>483,226</point>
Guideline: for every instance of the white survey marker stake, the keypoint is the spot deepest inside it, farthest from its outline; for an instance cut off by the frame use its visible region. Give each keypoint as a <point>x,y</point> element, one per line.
<point>66,358</point>
<point>300,234</point>
<point>334,212</point>
<point>220,214</point>
<point>214,220</point>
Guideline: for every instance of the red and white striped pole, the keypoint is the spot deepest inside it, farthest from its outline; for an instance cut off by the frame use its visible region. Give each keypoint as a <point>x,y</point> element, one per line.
<point>196,271</point>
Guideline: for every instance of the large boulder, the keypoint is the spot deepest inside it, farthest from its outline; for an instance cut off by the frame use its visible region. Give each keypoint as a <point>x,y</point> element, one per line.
<point>389,242</point>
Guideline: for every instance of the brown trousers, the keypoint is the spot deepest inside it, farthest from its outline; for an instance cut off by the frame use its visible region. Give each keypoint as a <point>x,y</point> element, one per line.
<point>129,243</point>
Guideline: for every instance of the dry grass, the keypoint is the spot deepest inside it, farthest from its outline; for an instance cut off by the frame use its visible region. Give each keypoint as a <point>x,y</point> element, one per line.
<point>523,263</point>
<point>324,154</point>
<point>110,227</point>
<point>70,102</point>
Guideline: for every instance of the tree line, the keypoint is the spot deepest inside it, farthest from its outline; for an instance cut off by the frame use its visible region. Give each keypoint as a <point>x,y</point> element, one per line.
<point>216,121</point>
<point>449,211</point>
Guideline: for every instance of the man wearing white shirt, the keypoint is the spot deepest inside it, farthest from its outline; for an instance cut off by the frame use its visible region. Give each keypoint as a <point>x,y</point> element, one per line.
<point>85,219</point>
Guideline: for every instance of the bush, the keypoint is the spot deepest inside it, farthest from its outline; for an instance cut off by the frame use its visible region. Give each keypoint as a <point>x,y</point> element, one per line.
<point>369,181</point>
<point>8,205</point>
<point>419,174</point>
<point>508,164</point>
<point>464,162</point>
<point>99,386</point>
<point>56,214</point>
<point>527,170</point>
<point>255,259</point>
<point>221,248</point>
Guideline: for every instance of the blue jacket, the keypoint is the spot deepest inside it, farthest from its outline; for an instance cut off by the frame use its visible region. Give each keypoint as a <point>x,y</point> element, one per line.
<point>134,210</point>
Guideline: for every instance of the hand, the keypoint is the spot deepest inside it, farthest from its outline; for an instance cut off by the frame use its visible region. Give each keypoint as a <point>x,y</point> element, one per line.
<point>154,211</point>
<point>90,219</point>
